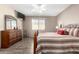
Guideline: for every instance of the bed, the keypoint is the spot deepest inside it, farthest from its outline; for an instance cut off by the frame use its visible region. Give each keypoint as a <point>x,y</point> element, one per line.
<point>52,43</point>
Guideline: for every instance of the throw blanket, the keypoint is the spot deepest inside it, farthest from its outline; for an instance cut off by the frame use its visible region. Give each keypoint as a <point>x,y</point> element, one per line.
<point>64,44</point>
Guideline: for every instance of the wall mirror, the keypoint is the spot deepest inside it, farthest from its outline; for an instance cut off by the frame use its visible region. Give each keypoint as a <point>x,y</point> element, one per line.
<point>10,22</point>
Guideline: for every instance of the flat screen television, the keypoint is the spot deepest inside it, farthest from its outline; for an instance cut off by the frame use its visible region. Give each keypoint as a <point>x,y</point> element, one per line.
<point>20,15</point>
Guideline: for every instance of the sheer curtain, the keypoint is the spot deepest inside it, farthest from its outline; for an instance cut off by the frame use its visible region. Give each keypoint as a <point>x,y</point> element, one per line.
<point>38,24</point>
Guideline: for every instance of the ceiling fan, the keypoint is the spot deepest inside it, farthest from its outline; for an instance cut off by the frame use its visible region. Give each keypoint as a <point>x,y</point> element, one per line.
<point>39,8</point>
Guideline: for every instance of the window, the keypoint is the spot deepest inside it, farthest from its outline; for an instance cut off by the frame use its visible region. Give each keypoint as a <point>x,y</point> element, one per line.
<point>38,24</point>
<point>34,24</point>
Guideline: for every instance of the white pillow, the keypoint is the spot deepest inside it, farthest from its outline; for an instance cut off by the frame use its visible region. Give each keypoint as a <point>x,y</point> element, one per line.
<point>71,31</point>
<point>76,32</point>
<point>68,29</point>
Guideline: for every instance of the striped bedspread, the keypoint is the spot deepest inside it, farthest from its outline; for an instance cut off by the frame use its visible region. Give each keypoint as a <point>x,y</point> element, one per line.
<point>64,44</point>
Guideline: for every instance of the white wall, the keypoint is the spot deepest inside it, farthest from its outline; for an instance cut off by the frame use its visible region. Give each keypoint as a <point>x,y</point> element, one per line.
<point>5,10</point>
<point>69,16</point>
<point>50,24</point>
<point>20,24</point>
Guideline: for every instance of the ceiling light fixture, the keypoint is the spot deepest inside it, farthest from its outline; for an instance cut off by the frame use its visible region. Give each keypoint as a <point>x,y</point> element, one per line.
<point>38,8</point>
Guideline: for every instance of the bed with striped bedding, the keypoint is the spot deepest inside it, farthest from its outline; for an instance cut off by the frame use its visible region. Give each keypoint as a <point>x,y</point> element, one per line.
<point>48,43</point>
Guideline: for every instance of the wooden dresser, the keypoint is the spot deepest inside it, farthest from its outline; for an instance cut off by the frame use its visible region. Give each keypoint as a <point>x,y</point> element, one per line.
<point>9,37</point>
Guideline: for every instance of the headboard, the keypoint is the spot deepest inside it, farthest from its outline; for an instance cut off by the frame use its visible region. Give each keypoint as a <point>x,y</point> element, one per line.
<point>71,26</point>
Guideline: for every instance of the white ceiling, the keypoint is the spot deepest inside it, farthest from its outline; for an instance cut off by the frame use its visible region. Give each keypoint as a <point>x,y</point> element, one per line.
<point>51,9</point>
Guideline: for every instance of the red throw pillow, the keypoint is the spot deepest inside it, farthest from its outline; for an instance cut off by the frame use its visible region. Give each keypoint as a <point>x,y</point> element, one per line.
<point>61,32</point>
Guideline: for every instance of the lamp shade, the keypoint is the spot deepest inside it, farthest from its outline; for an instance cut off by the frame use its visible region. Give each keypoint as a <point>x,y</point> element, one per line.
<point>56,27</point>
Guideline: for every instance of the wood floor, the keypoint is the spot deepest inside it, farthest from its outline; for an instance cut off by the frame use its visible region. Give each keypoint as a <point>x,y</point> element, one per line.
<point>22,47</point>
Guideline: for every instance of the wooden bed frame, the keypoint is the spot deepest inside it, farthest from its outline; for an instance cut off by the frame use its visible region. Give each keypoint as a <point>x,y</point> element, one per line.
<point>35,42</point>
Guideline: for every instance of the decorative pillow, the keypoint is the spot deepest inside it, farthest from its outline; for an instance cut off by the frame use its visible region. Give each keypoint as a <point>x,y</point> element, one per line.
<point>71,31</point>
<point>68,29</point>
<point>76,32</point>
<point>64,29</point>
<point>66,32</point>
<point>61,32</point>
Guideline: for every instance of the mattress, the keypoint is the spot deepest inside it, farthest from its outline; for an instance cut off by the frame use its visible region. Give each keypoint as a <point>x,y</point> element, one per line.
<point>51,42</point>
